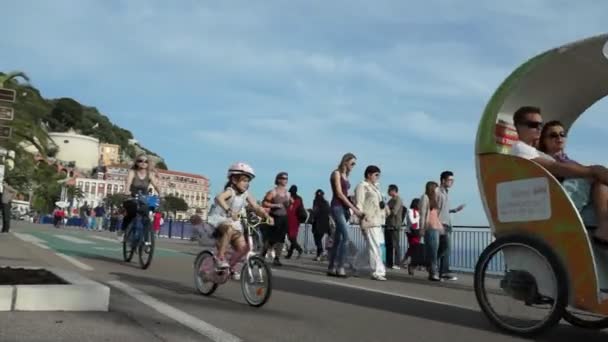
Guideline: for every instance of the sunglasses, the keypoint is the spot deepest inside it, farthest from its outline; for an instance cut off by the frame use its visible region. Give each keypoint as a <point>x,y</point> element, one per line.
<point>283,178</point>
<point>556,135</point>
<point>533,124</point>
<point>142,161</point>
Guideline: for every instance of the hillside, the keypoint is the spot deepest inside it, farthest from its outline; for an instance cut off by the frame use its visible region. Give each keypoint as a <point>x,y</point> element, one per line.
<point>59,115</point>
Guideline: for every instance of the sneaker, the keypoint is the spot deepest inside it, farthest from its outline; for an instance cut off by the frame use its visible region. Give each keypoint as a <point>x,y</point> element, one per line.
<point>341,272</point>
<point>378,277</point>
<point>434,278</point>
<point>395,267</point>
<point>236,275</point>
<point>222,263</point>
<point>449,277</point>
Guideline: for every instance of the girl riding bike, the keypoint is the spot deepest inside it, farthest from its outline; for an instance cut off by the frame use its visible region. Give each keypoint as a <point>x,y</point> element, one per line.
<point>224,214</point>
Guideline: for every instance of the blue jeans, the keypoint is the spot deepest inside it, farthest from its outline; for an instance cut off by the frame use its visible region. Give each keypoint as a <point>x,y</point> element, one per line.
<point>431,245</point>
<point>337,253</point>
<point>445,244</point>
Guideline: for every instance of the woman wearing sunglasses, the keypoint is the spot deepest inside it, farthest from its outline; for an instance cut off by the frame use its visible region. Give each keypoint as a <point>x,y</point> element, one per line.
<point>139,179</point>
<point>553,142</point>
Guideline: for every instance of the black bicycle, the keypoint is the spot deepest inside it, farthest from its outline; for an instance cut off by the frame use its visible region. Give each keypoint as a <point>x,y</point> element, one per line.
<point>139,235</point>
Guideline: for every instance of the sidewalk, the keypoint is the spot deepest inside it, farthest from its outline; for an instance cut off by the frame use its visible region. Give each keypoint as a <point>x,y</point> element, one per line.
<point>126,320</point>
<point>464,282</point>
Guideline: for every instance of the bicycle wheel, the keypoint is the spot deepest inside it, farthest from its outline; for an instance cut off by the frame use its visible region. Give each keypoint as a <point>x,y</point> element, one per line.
<point>146,252</point>
<point>127,244</point>
<point>256,281</point>
<point>204,266</point>
<point>585,320</point>
<point>537,284</point>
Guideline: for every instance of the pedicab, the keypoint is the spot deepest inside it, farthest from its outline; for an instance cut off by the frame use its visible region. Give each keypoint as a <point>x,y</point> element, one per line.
<point>542,265</point>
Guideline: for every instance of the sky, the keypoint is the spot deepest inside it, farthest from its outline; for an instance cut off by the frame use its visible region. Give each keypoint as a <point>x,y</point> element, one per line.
<point>293,85</point>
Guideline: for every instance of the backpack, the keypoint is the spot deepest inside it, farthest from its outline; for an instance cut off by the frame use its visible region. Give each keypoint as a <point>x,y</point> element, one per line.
<point>302,213</point>
<point>404,217</point>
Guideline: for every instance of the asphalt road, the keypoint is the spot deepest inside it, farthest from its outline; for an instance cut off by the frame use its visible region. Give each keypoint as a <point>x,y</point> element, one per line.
<point>160,303</point>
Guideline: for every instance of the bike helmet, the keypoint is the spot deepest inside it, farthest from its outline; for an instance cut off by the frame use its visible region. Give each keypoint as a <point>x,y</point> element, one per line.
<point>241,169</point>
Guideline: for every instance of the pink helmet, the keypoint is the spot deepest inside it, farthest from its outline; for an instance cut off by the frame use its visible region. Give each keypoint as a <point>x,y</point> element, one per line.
<point>241,169</point>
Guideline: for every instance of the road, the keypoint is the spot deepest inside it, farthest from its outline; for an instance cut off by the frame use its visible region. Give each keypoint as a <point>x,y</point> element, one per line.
<point>160,304</point>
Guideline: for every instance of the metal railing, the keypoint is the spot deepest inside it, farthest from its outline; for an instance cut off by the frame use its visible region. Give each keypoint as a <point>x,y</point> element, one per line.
<point>467,244</point>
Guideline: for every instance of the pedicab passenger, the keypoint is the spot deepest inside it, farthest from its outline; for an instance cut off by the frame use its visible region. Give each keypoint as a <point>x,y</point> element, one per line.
<point>528,123</point>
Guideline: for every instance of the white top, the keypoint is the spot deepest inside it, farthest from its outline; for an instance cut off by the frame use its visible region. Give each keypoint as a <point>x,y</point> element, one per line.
<point>412,219</point>
<point>236,203</point>
<point>523,150</point>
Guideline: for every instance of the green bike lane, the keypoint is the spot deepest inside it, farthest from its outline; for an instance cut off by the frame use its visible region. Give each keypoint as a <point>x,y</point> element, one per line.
<point>89,244</point>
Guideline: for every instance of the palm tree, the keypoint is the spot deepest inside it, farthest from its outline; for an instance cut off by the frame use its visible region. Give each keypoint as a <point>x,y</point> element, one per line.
<point>26,125</point>
<point>5,79</point>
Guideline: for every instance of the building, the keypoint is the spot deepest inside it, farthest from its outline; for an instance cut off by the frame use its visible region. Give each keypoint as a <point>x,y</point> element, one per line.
<point>82,150</point>
<point>109,154</point>
<point>96,190</point>
<point>192,188</point>
<point>117,172</point>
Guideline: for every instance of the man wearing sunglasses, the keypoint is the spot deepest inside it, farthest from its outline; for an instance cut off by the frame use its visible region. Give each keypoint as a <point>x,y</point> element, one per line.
<point>529,123</point>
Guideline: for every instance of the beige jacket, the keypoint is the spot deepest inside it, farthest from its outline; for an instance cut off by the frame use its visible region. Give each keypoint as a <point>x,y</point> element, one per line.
<point>368,198</point>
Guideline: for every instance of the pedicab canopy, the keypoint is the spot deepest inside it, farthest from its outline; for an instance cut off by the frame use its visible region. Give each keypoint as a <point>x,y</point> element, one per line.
<point>563,82</point>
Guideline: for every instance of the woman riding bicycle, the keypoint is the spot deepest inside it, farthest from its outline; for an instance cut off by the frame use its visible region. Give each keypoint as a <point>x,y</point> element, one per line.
<point>224,214</point>
<point>138,181</point>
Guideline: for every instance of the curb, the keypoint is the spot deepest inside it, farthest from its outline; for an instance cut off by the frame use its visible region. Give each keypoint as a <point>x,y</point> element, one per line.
<point>80,294</point>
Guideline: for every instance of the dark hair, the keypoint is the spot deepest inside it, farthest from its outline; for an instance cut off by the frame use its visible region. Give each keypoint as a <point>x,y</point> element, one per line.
<point>293,189</point>
<point>415,203</point>
<point>238,178</point>
<point>371,170</point>
<point>280,175</point>
<point>519,117</point>
<point>445,175</point>
<point>393,187</point>
<point>543,133</point>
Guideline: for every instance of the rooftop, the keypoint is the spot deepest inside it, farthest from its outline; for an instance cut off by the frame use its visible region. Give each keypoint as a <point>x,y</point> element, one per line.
<point>183,174</point>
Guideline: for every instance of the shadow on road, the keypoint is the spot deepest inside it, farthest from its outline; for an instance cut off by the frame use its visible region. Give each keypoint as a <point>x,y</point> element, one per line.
<point>411,307</point>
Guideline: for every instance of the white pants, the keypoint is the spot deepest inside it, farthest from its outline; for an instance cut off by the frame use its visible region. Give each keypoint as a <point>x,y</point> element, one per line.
<point>374,237</point>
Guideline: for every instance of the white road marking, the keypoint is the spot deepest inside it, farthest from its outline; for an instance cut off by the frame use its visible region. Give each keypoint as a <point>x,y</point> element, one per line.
<point>399,295</point>
<point>41,245</point>
<point>29,238</point>
<point>75,262</point>
<point>200,326</point>
<point>105,239</point>
<point>113,249</point>
<point>74,239</point>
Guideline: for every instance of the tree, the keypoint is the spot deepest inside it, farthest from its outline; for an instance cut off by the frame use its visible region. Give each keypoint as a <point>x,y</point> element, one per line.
<point>161,165</point>
<point>115,200</point>
<point>173,204</point>
<point>13,75</point>
<point>73,193</point>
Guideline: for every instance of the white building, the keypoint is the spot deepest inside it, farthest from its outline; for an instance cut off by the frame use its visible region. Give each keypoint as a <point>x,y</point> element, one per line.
<point>96,190</point>
<point>81,149</point>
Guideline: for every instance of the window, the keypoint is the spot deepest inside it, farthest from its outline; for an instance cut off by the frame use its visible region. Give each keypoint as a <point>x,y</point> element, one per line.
<point>109,189</point>
<point>86,187</point>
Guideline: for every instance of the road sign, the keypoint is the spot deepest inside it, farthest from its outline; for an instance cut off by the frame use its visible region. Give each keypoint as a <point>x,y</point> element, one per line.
<point>5,132</point>
<point>7,95</point>
<point>7,113</point>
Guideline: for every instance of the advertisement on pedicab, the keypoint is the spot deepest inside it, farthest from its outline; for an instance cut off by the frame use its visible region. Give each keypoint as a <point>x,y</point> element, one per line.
<point>523,200</point>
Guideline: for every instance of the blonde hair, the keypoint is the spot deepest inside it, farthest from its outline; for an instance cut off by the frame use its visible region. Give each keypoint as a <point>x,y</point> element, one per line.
<point>343,163</point>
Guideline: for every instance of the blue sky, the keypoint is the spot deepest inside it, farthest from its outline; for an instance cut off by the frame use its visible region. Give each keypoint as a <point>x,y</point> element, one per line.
<point>292,85</point>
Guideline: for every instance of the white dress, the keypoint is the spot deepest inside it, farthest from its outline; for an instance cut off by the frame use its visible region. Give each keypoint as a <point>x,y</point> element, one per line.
<point>217,214</point>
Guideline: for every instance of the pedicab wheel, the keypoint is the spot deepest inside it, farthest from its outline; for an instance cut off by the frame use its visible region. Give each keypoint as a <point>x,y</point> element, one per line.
<point>256,281</point>
<point>146,253</point>
<point>127,247</point>
<point>204,265</point>
<point>585,320</point>
<point>522,285</point>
